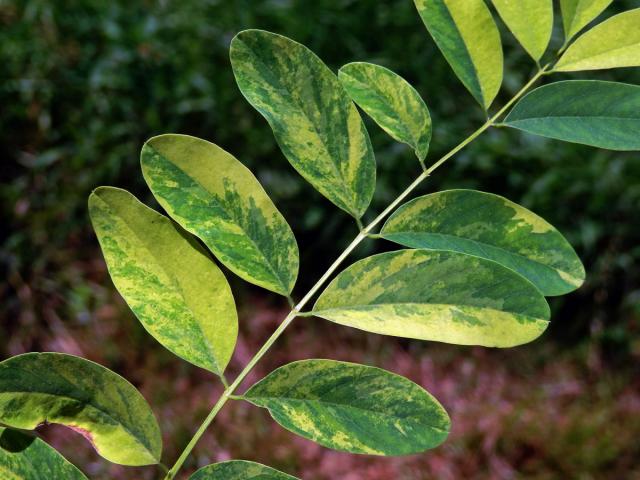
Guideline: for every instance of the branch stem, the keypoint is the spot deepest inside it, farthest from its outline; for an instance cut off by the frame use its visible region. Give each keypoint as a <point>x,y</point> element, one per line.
<point>296,310</point>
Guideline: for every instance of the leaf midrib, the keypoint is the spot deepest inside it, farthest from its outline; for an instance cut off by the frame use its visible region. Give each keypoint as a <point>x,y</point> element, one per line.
<point>341,405</point>
<point>576,117</point>
<point>515,254</point>
<point>474,68</point>
<point>396,114</point>
<point>450,305</point>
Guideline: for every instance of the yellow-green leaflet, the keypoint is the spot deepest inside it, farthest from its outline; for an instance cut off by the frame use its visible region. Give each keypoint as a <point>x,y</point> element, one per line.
<point>468,37</point>
<point>26,457</point>
<point>576,14</point>
<point>391,101</point>
<point>352,408</point>
<point>239,470</point>
<point>214,196</point>
<point>99,404</point>
<point>530,21</point>
<point>179,295</point>
<point>613,43</point>
<point>436,295</point>
<point>316,125</point>
<point>491,227</point>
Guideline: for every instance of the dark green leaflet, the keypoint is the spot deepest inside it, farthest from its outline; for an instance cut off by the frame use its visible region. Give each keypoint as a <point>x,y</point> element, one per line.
<point>212,195</point>
<point>25,457</point>
<point>179,295</point>
<point>315,123</point>
<point>391,101</point>
<point>352,408</point>
<point>436,295</point>
<point>469,39</point>
<point>101,405</point>
<point>491,227</point>
<point>239,470</point>
<point>600,114</point>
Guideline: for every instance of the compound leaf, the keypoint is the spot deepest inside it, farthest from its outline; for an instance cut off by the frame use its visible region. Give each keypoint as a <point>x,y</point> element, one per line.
<point>352,408</point>
<point>612,44</point>
<point>214,196</point>
<point>179,295</point>
<point>99,404</point>
<point>576,14</point>
<point>530,21</point>
<point>239,470</point>
<point>491,227</point>
<point>468,37</point>
<point>436,295</point>
<point>591,112</point>
<point>391,102</point>
<point>316,125</point>
<point>25,457</point>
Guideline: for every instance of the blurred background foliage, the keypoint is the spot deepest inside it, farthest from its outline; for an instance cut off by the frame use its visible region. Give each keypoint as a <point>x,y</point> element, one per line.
<point>85,82</point>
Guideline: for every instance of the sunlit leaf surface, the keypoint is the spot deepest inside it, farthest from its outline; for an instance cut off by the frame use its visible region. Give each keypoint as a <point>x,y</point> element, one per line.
<point>436,295</point>
<point>530,21</point>
<point>179,295</point>
<point>612,44</point>
<point>576,14</point>
<point>468,37</point>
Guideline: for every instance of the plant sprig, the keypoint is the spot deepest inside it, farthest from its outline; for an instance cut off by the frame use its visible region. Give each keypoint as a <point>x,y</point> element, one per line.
<point>475,268</point>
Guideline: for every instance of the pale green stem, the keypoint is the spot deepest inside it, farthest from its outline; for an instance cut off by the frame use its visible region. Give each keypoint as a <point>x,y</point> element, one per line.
<point>291,304</point>
<point>228,393</point>
<point>296,310</point>
<point>563,47</point>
